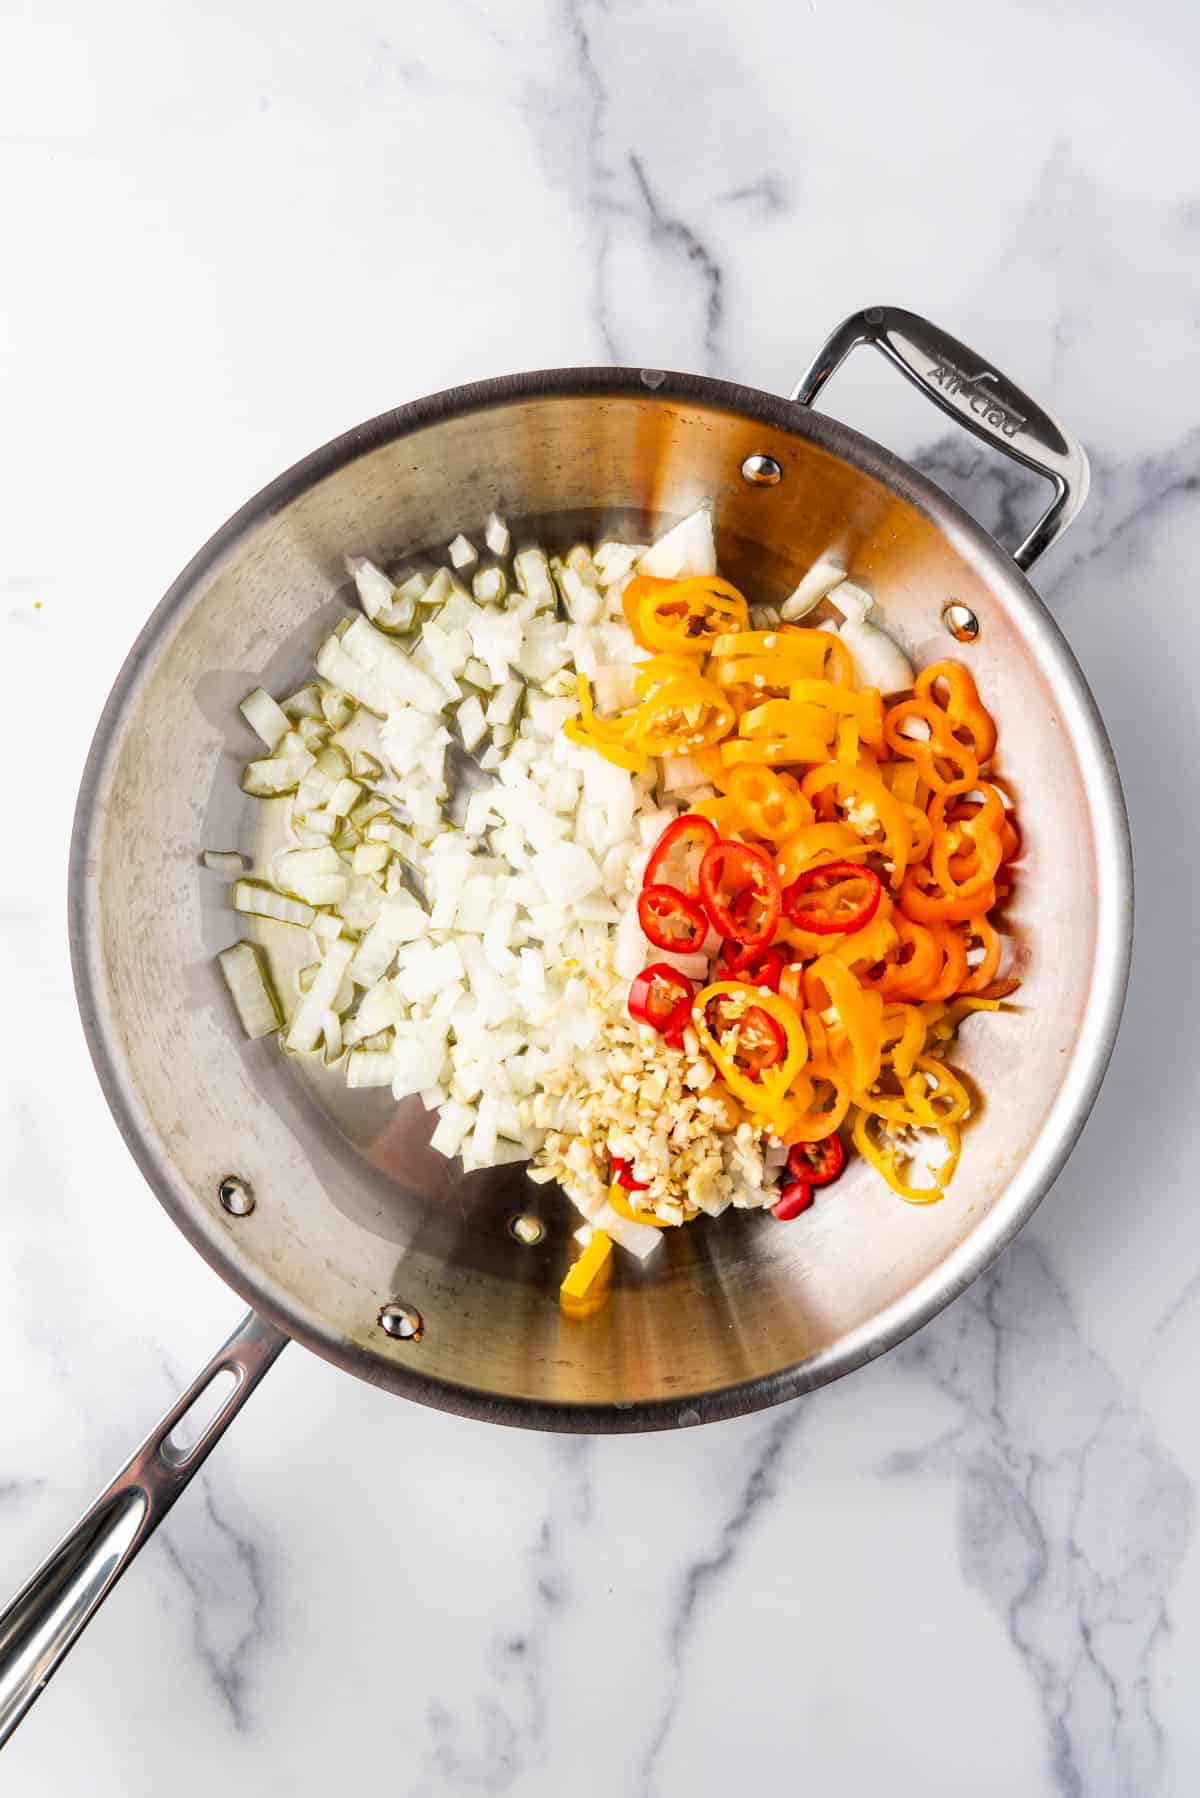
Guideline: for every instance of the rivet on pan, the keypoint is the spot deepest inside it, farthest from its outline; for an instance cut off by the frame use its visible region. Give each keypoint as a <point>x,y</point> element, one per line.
<point>402,1321</point>
<point>762,471</point>
<point>526,1228</point>
<point>237,1196</point>
<point>960,621</point>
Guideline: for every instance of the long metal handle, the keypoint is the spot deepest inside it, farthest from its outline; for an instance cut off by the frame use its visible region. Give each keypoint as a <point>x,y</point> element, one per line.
<point>48,1613</point>
<point>977,395</point>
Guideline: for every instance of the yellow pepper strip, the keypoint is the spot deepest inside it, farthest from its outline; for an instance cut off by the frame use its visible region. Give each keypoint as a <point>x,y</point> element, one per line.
<point>829,984</point>
<point>904,1032</point>
<point>688,617</point>
<point>725,814</point>
<point>612,730</point>
<point>633,760</point>
<point>623,1204</point>
<point>585,1287</point>
<point>902,780</point>
<point>772,752</point>
<point>863,948</point>
<point>764,1096</point>
<point>883,1160</point>
<point>784,718</point>
<point>866,792</point>
<point>847,741</point>
<point>817,842</point>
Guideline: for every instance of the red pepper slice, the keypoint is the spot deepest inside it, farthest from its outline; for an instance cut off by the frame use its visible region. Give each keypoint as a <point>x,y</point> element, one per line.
<point>662,997</point>
<point>763,967</point>
<point>833,898</point>
<point>622,1173</point>
<point>740,891</point>
<point>670,919</point>
<point>819,1163</point>
<point>796,1196</point>
<point>761,1041</point>
<point>675,858</point>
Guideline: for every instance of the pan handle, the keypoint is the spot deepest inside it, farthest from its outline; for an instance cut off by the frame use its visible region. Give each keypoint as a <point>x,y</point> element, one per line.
<point>977,395</point>
<point>49,1612</point>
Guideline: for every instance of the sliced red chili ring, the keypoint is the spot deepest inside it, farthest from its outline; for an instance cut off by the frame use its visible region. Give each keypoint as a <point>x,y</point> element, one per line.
<point>622,1173</point>
<point>740,891</point>
<point>819,1163</point>
<point>670,919</point>
<point>662,997</point>
<point>833,899</point>
<point>795,1196</point>
<point>761,1041</point>
<point>761,967</point>
<point>675,858</point>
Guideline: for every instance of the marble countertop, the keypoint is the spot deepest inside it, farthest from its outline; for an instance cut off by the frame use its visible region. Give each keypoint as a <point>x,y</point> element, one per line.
<point>232,232</point>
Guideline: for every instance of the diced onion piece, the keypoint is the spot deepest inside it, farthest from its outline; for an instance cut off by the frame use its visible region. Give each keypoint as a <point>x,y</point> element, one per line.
<point>304,703</point>
<point>490,585</point>
<point>686,551</point>
<point>472,725</point>
<point>533,577</point>
<point>369,1067</point>
<point>337,709</point>
<point>496,535</point>
<point>331,1037</point>
<point>263,715</point>
<point>879,659</point>
<point>371,858</point>
<point>462,552</point>
<point>274,775</point>
<point>250,989</point>
<point>309,1015</point>
<point>264,902</point>
<point>822,578</point>
<point>222,861</point>
<point>852,601</point>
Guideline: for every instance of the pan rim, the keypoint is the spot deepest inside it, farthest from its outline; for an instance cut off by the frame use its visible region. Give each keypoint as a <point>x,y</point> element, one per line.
<point>1102,1013</point>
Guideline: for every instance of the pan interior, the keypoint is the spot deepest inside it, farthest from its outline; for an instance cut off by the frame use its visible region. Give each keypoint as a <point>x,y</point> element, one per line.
<point>352,1207</point>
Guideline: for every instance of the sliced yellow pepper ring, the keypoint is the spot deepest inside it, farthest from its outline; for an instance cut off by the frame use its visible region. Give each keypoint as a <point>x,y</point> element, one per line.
<point>684,714</point>
<point>771,804</point>
<point>635,591</point>
<point>585,1287</point>
<point>653,673</point>
<point>810,1122</point>
<point>829,984</point>
<point>764,1096</point>
<point>883,1160</point>
<point>863,791</point>
<point>687,617</point>
<point>817,842</point>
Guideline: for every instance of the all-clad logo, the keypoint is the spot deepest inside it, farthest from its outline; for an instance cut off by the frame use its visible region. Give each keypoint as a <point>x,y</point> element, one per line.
<point>981,400</point>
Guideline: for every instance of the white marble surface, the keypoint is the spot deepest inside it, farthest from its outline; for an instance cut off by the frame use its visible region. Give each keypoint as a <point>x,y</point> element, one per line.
<point>231,231</point>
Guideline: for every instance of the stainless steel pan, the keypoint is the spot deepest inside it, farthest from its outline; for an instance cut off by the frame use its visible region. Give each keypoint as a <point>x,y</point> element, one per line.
<point>325,1209</point>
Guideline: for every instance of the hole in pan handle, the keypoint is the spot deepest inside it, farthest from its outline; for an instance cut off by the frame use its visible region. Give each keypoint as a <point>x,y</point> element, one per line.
<point>974,394</point>
<point>51,1609</point>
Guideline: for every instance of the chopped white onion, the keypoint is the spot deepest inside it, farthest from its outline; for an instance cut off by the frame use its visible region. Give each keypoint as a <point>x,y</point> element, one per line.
<point>250,989</point>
